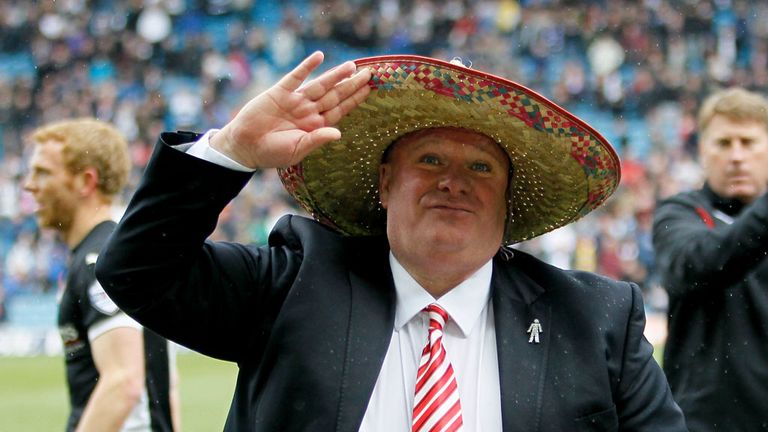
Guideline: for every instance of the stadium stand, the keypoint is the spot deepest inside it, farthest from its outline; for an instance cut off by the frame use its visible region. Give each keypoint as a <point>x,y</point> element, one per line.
<point>635,70</point>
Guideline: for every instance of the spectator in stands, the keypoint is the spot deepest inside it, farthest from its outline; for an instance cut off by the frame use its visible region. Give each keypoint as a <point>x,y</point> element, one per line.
<point>327,328</point>
<point>75,58</point>
<point>711,253</point>
<point>119,375</point>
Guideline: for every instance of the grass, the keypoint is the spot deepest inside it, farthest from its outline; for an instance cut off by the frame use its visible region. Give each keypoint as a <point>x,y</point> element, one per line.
<point>33,395</point>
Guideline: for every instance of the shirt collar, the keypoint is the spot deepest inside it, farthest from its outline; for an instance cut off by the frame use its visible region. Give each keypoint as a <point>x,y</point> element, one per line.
<point>464,303</point>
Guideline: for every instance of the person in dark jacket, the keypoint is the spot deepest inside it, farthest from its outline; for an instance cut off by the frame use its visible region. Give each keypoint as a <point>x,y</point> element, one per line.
<point>419,174</point>
<point>711,251</point>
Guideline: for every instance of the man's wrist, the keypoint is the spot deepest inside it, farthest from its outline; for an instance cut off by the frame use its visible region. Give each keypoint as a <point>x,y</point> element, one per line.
<point>204,150</point>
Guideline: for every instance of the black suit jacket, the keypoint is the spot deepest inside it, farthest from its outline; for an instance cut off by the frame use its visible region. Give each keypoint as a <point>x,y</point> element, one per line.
<point>308,318</point>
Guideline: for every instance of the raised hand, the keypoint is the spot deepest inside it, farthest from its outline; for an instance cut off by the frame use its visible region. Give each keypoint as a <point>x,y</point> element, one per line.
<point>285,123</point>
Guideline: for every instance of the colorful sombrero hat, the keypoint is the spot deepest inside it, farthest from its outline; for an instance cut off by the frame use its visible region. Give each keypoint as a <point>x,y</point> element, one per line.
<point>563,169</point>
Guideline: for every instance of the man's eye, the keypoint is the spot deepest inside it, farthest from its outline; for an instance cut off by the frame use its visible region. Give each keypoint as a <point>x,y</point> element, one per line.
<point>430,159</point>
<point>480,167</point>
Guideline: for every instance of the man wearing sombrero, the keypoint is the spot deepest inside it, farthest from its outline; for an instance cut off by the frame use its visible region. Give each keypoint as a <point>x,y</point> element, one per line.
<point>397,309</point>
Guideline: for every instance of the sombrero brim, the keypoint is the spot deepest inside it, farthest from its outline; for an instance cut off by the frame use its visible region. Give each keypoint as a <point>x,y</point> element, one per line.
<point>563,168</point>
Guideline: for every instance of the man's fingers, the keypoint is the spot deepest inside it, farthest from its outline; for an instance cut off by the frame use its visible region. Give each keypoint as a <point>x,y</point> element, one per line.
<point>318,87</point>
<point>356,85</point>
<point>309,141</point>
<point>296,77</point>
<point>333,115</point>
<point>344,89</point>
<point>324,135</point>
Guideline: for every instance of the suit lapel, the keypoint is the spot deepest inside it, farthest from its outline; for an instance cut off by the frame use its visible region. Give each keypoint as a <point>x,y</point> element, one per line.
<point>522,365</point>
<point>371,320</point>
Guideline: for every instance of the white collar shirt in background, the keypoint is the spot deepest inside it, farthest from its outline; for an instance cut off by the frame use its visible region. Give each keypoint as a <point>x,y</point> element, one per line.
<point>469,339</point>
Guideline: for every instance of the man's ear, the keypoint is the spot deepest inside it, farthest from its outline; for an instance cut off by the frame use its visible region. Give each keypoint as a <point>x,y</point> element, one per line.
<point>90,181</point>
<point>385,171</point>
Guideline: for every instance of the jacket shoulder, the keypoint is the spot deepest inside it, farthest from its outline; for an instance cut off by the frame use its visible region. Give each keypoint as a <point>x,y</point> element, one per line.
<point>693,198</point>
<point>300,233</point>
<point>294,230</point>
<point>553,278</point>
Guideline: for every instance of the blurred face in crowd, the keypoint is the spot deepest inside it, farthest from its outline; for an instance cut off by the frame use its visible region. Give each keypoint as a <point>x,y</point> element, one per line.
<point>734,154</point>
<point>444,190</point>
<point>52,186</point>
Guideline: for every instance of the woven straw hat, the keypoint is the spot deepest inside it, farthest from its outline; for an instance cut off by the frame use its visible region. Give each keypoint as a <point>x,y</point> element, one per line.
<point>563,169</point>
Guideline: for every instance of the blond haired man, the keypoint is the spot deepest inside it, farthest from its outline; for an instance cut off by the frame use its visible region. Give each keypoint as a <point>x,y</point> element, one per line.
<point>118,374</point>
<point>711,249</point>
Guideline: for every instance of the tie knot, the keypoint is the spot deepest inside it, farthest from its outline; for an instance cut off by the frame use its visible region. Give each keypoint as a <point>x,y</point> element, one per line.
<point>437,314</point>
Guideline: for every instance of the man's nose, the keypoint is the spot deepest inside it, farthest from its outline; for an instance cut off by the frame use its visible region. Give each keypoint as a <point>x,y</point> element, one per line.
<point>738,151</point>
<point>453,181</point>
<point>26,184</point>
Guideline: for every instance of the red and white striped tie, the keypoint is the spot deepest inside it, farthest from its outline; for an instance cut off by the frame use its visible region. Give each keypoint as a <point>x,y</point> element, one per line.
<point>436,406</point>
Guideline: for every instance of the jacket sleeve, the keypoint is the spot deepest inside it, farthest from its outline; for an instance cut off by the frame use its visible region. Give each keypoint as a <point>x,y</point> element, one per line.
<point>692,256</point>
<point>644,401</point>
<point>216,298</point>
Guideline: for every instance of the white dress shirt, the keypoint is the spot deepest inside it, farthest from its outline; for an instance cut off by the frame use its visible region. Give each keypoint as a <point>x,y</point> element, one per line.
<point>469,338</point>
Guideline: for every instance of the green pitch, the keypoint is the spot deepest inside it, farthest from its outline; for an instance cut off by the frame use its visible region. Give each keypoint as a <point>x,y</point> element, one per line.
<point>33,396</point>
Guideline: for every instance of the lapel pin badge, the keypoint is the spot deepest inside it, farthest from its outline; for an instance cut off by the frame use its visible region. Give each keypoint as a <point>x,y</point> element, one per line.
<point>534,329</point>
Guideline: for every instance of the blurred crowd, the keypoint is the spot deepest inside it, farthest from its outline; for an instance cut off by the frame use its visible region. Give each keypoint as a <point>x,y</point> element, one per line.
<point>636,70</point>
